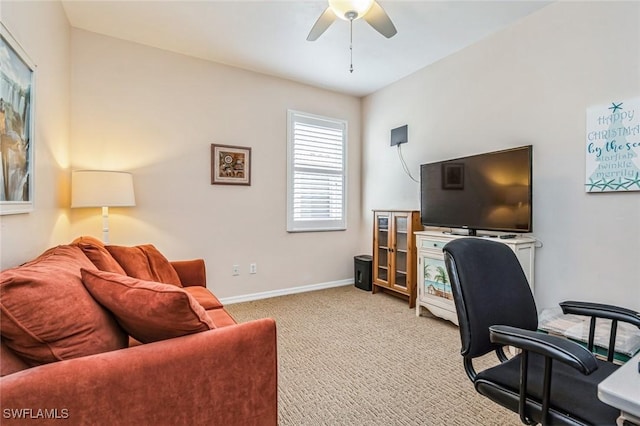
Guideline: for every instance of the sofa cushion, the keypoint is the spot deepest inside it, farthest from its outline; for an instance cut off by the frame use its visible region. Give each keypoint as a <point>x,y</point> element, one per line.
<point>10,362</point>
<point>100,257</point>
<point>191,272</point>
<point>220,318</point>
<point>204,297</point>
<point>47,315</point>
<point>146,263</point>
<point>147,310</point>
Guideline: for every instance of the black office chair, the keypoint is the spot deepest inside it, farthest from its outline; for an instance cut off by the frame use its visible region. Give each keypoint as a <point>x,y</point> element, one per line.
<point>552,380</point>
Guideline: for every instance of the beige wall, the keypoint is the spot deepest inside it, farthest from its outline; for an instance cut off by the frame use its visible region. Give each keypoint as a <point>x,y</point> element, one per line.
<point>43,32</point>
<point>155,113</point>
<point>529,84</point>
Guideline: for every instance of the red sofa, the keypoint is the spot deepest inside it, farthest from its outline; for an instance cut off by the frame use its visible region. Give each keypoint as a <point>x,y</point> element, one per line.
<point>69,353</point>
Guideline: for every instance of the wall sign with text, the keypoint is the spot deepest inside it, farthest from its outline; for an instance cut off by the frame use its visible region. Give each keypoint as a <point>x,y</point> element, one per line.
<point>613,147</point>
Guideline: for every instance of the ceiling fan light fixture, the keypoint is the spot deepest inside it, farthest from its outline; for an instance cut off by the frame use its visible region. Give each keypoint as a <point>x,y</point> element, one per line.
<point>350,10</point>
<point>345,9</point>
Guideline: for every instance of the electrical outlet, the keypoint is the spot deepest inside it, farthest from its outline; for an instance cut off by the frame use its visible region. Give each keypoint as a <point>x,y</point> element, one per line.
<point>253,268</point>
<point>235,270</point>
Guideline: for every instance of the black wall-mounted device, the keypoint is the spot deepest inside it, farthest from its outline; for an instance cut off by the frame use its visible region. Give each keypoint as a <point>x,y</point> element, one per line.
<point>400,135</point>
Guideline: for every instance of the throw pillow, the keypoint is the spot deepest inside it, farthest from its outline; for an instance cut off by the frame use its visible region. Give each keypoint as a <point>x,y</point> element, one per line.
<point>87,239</point>
<point>146,263</point>
<point>47,315</point>
<point>100,257</point>
<point>148,311</point>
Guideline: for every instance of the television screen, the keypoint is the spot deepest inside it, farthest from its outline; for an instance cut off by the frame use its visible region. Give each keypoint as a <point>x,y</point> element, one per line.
<point>491,191</point>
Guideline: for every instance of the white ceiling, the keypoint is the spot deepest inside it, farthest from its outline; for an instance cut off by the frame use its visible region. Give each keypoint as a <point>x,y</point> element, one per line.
<point>269,36</point>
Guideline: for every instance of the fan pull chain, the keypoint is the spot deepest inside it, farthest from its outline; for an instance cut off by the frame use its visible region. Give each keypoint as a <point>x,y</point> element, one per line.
<point>351,44</point>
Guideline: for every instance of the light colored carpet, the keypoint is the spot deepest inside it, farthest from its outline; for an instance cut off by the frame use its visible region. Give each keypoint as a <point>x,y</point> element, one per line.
<point>349,357</point>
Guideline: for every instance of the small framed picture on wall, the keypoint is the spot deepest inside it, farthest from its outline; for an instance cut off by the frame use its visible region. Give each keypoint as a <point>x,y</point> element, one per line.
<point>230,165</point>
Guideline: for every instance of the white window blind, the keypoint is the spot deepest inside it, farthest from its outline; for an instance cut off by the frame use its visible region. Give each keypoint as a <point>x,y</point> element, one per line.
<point>316,173</point>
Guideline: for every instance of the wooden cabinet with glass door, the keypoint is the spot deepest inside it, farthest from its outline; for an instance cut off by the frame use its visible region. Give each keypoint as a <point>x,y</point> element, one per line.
<point>394,254</point>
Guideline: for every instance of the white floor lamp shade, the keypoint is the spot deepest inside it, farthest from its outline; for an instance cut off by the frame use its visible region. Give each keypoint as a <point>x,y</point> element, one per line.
<point>102,188</point>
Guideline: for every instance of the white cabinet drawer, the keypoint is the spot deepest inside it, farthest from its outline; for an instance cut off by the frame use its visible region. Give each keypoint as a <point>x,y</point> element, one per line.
<point>431,244</point>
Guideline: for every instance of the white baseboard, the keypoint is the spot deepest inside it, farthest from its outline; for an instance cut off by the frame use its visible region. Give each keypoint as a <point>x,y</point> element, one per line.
<point>283,292</point>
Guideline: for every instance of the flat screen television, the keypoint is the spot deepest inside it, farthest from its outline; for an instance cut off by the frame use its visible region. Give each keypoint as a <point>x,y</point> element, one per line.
<point>490,191</point>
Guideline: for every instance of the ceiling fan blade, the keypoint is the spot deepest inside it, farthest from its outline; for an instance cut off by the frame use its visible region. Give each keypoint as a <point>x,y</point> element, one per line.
<point>321,24</point>
<point>380,21</point>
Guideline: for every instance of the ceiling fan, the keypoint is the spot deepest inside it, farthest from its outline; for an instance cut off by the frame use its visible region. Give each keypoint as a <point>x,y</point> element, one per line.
<point>351,10</point>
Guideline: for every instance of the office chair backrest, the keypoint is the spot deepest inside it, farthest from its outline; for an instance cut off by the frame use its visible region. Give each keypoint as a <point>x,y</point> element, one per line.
<point>489,288</point>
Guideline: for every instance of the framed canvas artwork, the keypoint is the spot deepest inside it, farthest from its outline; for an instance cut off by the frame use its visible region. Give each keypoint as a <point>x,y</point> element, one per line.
<point>17,75</point>
<point>613,147</point>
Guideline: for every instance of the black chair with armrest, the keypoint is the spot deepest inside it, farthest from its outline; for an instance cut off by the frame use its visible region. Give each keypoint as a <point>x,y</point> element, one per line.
<point>552,380</point>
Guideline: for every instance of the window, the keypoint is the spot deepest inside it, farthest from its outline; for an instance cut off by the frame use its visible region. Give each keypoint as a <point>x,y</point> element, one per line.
<point>316,178</point>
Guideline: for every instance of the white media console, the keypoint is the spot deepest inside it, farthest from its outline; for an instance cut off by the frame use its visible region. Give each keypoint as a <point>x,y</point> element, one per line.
<point>434,288</point>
